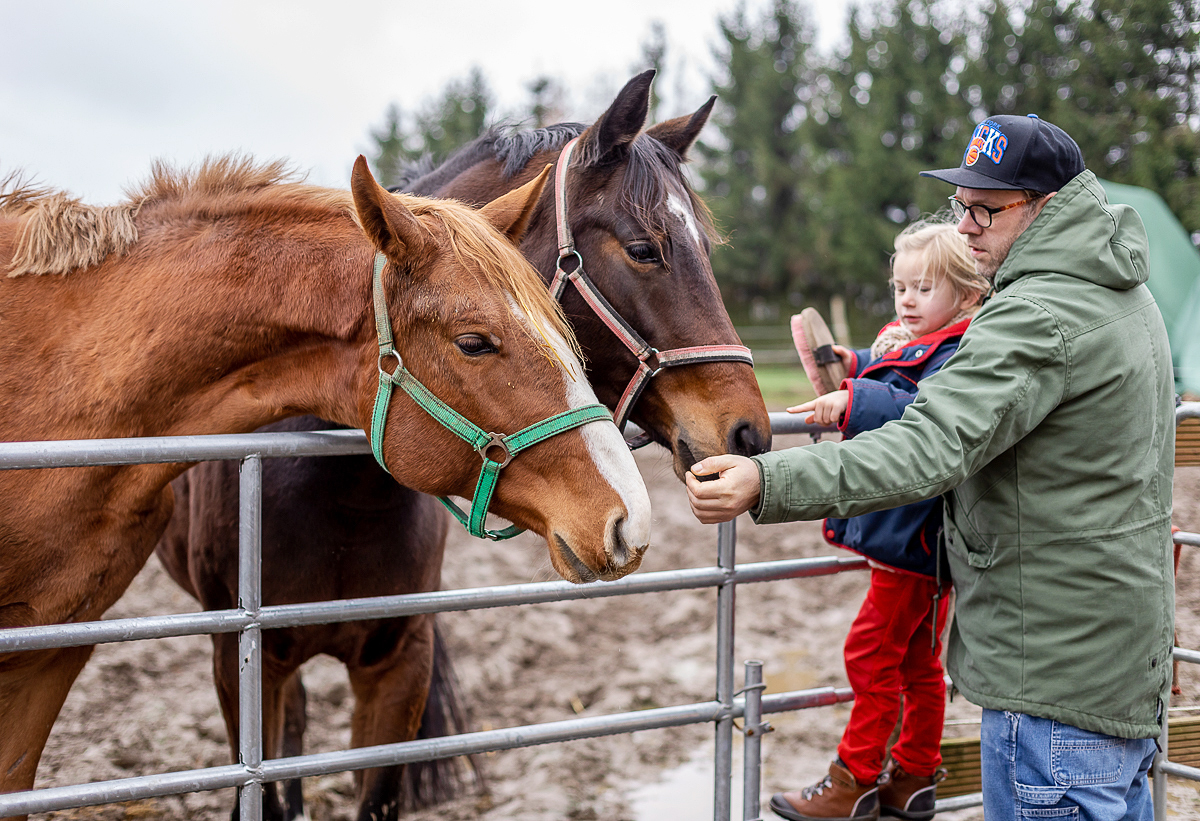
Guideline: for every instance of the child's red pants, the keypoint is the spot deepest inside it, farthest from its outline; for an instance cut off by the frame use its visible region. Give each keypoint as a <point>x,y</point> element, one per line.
<point>890,650</point>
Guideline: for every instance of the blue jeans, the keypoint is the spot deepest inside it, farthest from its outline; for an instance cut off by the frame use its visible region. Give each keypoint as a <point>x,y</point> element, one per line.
<point>1037,768</point>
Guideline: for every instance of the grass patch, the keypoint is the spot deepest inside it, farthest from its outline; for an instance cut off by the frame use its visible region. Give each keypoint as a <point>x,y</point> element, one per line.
<point>783,385</point>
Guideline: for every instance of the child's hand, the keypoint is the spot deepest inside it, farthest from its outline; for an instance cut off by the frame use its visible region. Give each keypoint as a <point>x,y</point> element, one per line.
<point>826,410</point>
<point>846,355</point>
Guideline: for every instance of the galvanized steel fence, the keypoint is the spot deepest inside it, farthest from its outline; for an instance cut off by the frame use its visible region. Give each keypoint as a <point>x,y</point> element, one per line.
<point>1163,766</point>
<point>251,618</point>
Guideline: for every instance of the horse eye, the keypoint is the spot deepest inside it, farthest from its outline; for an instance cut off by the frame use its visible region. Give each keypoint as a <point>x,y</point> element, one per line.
<point>643,252</point>
<point>474,345</point>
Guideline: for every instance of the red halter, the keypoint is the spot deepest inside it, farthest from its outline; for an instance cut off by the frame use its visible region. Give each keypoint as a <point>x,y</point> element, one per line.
<point>650,360</point>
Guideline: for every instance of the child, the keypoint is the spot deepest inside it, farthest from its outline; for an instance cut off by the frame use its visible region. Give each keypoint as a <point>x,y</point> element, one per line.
<point>894,644</point>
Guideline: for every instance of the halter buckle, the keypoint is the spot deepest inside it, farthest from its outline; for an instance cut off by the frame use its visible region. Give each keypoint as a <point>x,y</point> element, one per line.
<point>566,253</point>
<point>496,441</point>
<point>657,367</point>
<point>399,364</point>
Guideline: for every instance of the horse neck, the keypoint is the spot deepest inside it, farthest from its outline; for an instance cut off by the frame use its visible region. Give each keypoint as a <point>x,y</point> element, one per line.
<point>294,333</point>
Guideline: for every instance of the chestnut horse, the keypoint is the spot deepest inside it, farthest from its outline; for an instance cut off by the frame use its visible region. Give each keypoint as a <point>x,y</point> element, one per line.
<point>218,301</point>
<point>336,528</point>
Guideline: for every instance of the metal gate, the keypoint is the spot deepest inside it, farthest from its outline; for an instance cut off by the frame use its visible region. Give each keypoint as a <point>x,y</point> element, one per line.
<point>251,618</point>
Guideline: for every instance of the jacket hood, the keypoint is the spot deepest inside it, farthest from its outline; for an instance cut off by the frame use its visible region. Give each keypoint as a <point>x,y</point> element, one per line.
<point>1079,234</point>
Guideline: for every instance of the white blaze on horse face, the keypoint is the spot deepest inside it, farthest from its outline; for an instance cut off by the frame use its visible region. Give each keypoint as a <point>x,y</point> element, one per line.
<point>682,210</point>
<point>605,443</point>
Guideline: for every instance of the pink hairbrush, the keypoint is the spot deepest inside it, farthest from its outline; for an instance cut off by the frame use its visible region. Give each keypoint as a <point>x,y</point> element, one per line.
<point>814,343</point>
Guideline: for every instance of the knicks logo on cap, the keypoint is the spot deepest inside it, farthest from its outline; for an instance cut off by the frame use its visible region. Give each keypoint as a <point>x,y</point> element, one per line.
<point>987,140</point>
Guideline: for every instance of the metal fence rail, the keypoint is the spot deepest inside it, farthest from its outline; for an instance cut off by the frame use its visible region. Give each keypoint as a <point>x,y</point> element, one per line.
<point>1163,766</point>
<point>251,618</point>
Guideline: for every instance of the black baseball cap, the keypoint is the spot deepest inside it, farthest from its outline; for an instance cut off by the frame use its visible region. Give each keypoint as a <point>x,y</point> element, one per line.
<point>1013,152</point>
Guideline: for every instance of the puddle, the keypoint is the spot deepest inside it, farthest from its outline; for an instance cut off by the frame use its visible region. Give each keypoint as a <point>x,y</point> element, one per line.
<point>686,791</point>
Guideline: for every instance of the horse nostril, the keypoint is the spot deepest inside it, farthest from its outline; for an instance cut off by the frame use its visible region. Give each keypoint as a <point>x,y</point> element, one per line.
<point>745,441</point>
<point>684,453</point>
<point>618,550</point>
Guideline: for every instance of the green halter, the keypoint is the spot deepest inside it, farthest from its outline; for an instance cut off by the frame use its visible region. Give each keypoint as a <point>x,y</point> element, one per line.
<point>483,443</point>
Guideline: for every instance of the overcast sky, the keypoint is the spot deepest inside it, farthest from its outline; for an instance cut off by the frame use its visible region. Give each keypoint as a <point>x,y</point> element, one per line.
<point>92,92</point>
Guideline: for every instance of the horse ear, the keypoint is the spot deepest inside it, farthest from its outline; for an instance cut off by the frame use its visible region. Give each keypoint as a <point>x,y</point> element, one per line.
<point>389,226</point>
<point>617,127</point>
<point>679,134</point>
<point>510,214</point>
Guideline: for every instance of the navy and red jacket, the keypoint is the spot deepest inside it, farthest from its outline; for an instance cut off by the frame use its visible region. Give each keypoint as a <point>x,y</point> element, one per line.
<point>904,538</point>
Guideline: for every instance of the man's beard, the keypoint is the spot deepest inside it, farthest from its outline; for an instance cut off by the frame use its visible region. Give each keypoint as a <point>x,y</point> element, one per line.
<point>988,269</point>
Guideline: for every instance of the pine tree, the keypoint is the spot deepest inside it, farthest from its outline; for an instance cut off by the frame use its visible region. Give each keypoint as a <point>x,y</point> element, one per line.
<point>886,113</point>
<point>391,153</point>
<point>1118,75</point>
<point>457,116</point>
<point>754,178</point>
<point>1134,93</point>
<point>654,55</point>
<point>545,101</point>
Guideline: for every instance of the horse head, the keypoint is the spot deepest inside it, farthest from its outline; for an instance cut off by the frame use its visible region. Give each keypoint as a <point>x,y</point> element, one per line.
<point>473,323</point>
<point>644,238</point>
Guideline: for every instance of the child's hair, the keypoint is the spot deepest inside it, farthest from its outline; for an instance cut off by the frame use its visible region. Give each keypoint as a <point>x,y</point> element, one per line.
<point>946,255</point>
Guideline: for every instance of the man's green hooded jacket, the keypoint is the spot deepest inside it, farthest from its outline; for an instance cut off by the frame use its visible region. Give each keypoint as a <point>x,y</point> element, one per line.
<point>1051,434</point>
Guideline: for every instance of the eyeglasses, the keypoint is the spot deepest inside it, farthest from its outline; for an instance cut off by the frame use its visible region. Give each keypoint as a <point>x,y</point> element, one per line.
<point>982,214</point>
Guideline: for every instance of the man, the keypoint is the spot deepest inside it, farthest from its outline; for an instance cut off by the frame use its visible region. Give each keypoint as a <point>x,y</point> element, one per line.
<point>1051,434</point>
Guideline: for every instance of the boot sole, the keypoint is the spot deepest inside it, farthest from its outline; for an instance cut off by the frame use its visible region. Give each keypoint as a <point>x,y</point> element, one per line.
<point>894,812</point>
<point>783,809</point>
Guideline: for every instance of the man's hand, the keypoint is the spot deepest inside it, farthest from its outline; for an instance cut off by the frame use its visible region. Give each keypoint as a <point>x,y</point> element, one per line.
<point>724,498</point>
<point>826,409</point>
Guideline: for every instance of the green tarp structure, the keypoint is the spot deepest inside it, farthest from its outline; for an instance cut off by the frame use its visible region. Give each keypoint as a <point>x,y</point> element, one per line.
<point>1174,278</point>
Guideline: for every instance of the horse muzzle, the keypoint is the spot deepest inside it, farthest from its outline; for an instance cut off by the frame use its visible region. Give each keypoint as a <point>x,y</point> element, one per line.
<point>621,554</point>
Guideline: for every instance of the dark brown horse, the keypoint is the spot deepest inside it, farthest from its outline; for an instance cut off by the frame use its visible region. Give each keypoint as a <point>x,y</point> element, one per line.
<point>335,528</point>
<point>220,301</point>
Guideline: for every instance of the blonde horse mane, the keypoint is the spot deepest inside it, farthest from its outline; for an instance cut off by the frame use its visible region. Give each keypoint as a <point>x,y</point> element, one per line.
<point>61,234</point>
<point>500,262</point>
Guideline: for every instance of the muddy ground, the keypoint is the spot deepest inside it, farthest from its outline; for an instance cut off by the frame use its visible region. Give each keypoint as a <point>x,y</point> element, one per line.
<point>145,707</point>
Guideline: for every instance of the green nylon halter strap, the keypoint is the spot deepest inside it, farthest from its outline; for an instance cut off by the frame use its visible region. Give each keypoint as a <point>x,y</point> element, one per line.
<point>483,443</point>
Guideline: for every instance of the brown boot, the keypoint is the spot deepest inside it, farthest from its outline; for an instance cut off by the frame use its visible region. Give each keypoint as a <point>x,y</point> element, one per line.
<point>906,796</point>
<point>836,797</point>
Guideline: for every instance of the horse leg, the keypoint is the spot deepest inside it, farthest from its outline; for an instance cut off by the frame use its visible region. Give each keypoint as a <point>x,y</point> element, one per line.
<point>295,721</point>
<point>427,783</point>
<point>33,687</point>
<point>226,661</point>
<point>389,698</point>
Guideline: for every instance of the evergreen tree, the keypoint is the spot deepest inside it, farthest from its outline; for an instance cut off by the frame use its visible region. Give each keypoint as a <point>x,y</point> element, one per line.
<point>457,117</point>
<point>454,118</point>
<point>1118,75</point>
<point>816,168</point>
<point>545,101</point>
<point>1130,101</point>
<point>654,55</point>
<point>754,176</point>
<point>390,154</point>
<point>885,115</point>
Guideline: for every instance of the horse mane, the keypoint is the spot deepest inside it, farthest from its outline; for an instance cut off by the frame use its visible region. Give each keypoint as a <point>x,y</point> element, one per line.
<point>645,184</point>
<point>512,148</point>
<point>61,234</point>
<point>501,263</point>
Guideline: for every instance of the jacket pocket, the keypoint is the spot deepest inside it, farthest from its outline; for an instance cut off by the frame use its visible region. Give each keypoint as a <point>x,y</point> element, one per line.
<point>977,554</point>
